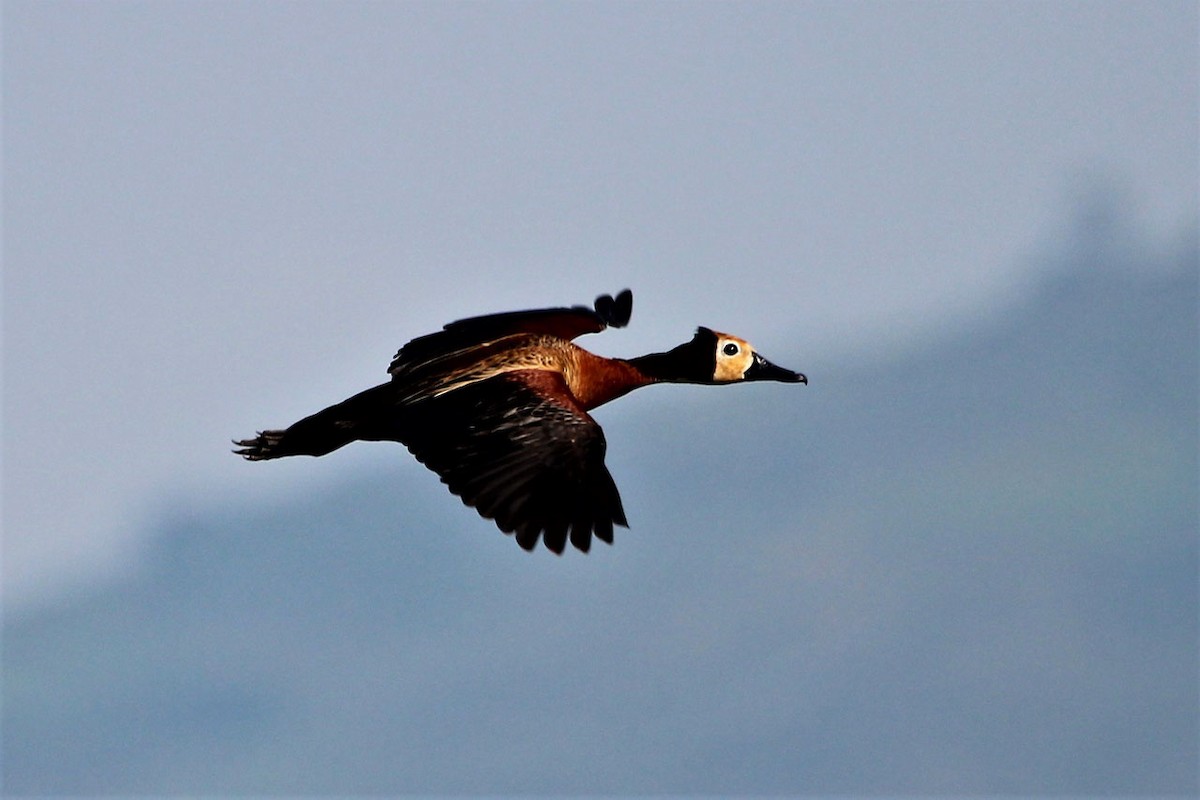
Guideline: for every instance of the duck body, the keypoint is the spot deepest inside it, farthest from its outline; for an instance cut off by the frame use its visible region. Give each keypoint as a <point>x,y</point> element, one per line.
<point>498,407</point>
<point>592,380</point>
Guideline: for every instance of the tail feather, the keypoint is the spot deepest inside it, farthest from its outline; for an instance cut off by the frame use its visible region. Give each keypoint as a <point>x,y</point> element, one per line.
<point>360,417</point>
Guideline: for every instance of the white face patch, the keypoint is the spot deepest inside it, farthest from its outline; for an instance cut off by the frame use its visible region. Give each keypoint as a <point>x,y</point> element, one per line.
<point>734,357</point>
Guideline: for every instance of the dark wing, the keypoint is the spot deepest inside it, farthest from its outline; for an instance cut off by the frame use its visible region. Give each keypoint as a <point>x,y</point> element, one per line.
<point>518,449</point>
<point>565,323</point>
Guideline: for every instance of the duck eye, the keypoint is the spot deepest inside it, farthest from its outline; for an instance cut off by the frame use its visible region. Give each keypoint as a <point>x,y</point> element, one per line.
<point>730,349</point>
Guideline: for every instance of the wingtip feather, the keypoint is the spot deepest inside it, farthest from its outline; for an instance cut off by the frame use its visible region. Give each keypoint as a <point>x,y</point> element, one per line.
<point>615,311</point>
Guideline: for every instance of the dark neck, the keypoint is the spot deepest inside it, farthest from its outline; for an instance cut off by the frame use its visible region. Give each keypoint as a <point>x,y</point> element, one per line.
<point>657,367</point>
<point>679,365</point>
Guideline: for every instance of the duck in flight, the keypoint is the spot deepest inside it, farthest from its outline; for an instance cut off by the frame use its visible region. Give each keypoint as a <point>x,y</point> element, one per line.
<point>498,407</point>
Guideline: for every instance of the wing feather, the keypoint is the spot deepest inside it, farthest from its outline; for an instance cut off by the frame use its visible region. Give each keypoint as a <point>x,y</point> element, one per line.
<point>464,334</point>
<point>520,451</point>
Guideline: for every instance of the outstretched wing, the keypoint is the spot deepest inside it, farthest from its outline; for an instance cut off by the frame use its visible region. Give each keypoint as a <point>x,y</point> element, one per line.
<point>519,450</point>
<point>565,323</point>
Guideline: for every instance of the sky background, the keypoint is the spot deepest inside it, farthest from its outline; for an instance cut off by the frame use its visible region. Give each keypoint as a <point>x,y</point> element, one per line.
<point>220,217</point>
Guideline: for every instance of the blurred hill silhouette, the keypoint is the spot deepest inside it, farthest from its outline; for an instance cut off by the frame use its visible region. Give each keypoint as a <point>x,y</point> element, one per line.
<point>969,570</point>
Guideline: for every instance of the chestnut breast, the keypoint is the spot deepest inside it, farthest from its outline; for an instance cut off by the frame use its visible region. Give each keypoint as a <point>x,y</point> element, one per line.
<point>594,380</point>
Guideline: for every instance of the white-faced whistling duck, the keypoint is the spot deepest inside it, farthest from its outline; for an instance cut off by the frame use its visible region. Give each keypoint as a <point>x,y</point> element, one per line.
<point>498,407</point>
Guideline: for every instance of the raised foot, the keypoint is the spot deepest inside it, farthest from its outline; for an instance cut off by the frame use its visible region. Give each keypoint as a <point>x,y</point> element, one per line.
<point>260,448</point>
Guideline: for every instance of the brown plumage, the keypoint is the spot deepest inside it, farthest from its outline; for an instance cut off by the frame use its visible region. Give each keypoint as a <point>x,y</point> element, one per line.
<point>498,407</point>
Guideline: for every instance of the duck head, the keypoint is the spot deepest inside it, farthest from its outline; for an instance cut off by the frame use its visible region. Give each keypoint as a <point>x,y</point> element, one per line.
<point>712,357</point>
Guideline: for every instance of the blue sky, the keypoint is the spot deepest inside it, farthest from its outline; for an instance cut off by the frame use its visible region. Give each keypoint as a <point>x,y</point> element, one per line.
<point>247,202</point>
<point>222,215</point>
